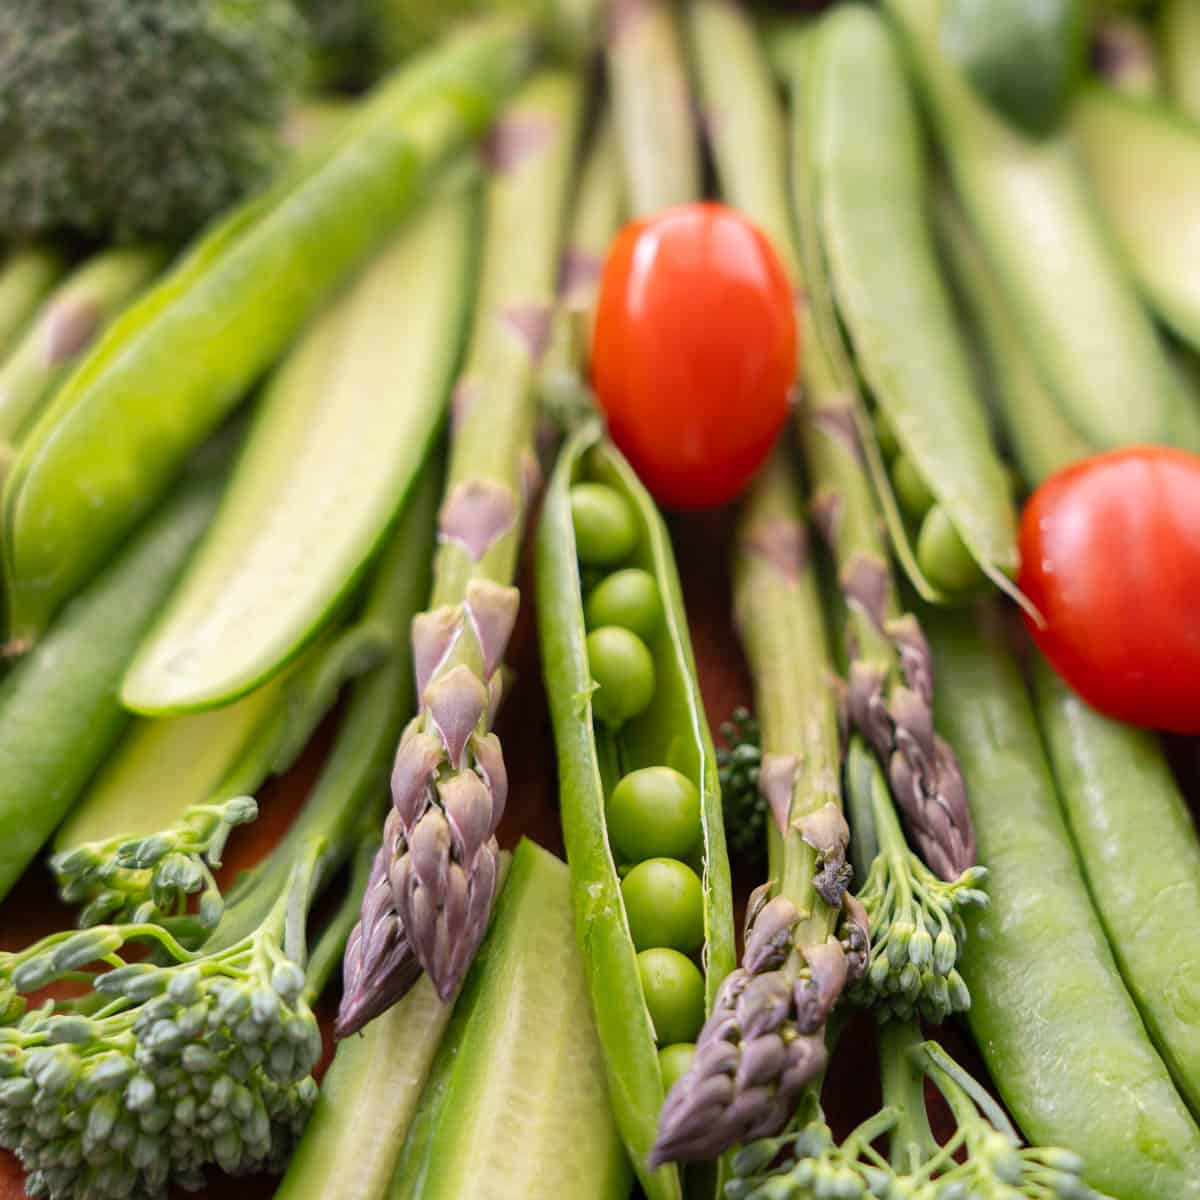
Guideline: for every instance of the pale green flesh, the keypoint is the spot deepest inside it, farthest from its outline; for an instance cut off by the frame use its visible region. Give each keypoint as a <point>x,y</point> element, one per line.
<point>162,767</point>
<point>870,182</point>
<point>1145,165</point>
<point>339,439</point>
<point>1095,346</point>
<point>518,1107</point>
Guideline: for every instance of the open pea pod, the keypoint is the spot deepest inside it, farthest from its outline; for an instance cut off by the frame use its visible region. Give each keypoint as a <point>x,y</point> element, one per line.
<point>602,742</point>
<point>336,445</point>
<point>168,371</point>
<point>869,180</point>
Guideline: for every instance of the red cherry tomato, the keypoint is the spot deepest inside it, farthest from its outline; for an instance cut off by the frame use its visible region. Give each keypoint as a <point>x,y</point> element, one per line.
<point>694,352</point>
<point>1110,554</point>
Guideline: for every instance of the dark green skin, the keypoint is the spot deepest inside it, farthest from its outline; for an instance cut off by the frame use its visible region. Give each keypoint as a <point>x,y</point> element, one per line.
<point>1061,1036</point>
<point>59,712</point>
<point>1141,856</point>
<point>671,732</point>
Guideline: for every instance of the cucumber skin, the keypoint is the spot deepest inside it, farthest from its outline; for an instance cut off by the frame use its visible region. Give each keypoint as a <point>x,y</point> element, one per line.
<point>1059,1033</point>
<point>537,892</point>
<point>59,711</point>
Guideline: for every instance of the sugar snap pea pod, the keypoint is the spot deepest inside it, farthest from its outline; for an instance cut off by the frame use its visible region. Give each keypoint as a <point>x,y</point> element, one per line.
<point>593,758</point>
<point>435,878</point>
<point>651,105</point>
<point>1029,204</point>
<point>336,444</point>
<point>517,1107</point>
<point>1144,162</point>
<point>27,274</point>
<point>59,712</point>
<point>765,1039</point>
<point>870,182</point>
<point>1179,43</point>
<point>1060,1034</point>
<point>65,327</point>
<point>1141,857</point>
<point>1040,437</point>
<point>174,364</point>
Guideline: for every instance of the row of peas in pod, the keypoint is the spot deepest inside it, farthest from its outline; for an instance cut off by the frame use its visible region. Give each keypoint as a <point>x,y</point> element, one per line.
<point>652,813</point>
<point>638,783</point>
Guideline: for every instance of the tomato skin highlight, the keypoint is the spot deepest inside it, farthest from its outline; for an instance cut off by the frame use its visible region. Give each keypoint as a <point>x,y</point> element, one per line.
<point>1110,554</point>
<point>694,352</point>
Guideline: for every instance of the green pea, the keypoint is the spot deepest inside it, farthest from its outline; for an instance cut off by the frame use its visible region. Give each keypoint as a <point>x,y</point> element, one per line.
<point>674,1061</point>
<point>654,813</point>
<point>628,598</point>
<point>605,531</point>
<point>946,561</point>
<point>664,902</point>
<point>910,487</point>
<point>674,992</point>
<point>623,670</point>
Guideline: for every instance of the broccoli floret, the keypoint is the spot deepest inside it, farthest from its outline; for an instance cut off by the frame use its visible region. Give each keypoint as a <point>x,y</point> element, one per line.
<point>744,805</point>
<point>139,118</point>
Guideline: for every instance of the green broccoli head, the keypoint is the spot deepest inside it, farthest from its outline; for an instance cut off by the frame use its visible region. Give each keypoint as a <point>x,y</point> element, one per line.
<point>139,118</point>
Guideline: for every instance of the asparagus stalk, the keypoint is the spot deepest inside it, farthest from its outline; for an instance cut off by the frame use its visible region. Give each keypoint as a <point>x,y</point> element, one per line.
<point>889,692</point>
<point>652,105</point>
<point>26,275</point>
<point>765,1039</point>
<point>65,327</point>
<point>435,877</point>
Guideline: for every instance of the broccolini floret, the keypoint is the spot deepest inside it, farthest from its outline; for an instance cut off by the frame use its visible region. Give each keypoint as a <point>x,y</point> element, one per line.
<point>139,118</point>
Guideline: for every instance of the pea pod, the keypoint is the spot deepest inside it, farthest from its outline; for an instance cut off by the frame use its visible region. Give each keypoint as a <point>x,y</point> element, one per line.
<point>1144,162</point>
<point>1138,847</point>
<point>168,371</point>
<point>1027,200</point>
<point>337,442</point>
<point>672,732</point>
<point>870,184</point>
<point>26,275</point>
<point>59,712</point>
<point>1060,1034</point>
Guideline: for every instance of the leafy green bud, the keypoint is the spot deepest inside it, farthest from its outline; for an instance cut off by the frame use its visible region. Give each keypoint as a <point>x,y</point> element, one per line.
<point>264,1007</point>
<point>945,952</point>
<point>920,949</point>
<point>1061,1160</point>
<point>960,995</point>
<point>140,1094</point>
<point>102,1116</point>
<point>211,909</point>
<point>910,980</point>
<point>165,1037</point>
<point>34,974</point>
<point>198,1058</point>
<point>288,981</point>
<point>76,1031</point>
<point>17,1093</point>
<point>141,853</point>
<point>879,970</point>
<point>184,987</point>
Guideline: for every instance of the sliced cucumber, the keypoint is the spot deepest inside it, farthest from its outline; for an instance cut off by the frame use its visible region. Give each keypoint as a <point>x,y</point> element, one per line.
<point>517,1107</point>
<point>1144,161</point>
<point>338,441</point>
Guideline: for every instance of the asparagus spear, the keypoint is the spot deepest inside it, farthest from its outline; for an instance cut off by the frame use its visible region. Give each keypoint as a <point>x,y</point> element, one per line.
<point>652,106</point>
<point>765,1039</point>
<point>890,677</point>
<point>435,877</point>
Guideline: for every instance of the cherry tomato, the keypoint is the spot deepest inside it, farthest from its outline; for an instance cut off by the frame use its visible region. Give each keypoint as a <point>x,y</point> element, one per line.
<point>694,352</point>
<point>1110,553</point>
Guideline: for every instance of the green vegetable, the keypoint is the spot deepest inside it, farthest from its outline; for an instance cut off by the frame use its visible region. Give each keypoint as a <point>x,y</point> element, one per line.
<point>653,813</point>
<point>1144,162</point>
<point>65,326</point>
<point>1029,205</point>
<point>628,598</point>
<point>225,312</point>
<point>27,273</point>
<point>1024,57</point>
<point>59,712</point>
<point>436,874</point>
<point>651,106</point>
<point>596,761</point>
<point>1059,1033</point>
<point>1179,39</point>
<point>623,674</point>
<point>336,445</point>
<point>605,530</point>
<point>674,990</point>
<point>664,901</point>
<point>765,1038</point>
<point>870,182</point>
<point>203,1058</point>
<point>674,1061</point>
<point>1124,54</point>
<point>1139,851</point>
<point>746,809</point>
<point>140,118</point>
<point>517,1107</point>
